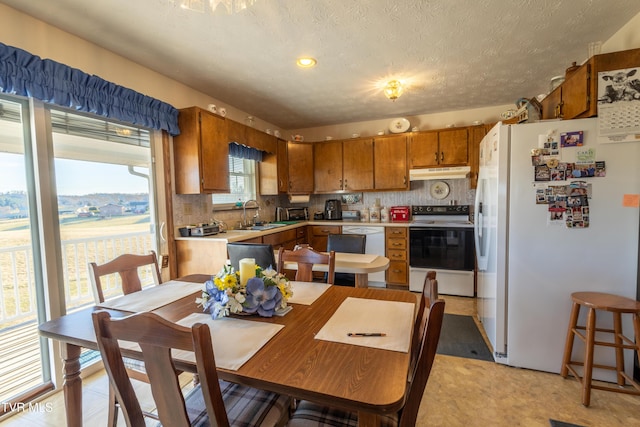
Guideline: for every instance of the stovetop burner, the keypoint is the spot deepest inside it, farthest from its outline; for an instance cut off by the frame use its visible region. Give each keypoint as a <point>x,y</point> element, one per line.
<point>418,210</point>
<point>441,215</point>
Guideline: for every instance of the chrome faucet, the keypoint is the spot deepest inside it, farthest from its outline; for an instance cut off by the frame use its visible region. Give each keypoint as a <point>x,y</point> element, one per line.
<point>244,210</point>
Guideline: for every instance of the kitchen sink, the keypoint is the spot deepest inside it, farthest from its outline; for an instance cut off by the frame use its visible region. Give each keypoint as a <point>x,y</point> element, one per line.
<point>266,226</point>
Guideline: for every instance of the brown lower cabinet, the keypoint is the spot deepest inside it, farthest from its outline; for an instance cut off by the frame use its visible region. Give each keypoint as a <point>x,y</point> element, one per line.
<point>397,252</point>
<point>318,235</point>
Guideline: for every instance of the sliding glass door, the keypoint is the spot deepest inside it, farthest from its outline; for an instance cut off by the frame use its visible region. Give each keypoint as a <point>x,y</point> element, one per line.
<point>104,195</point>
<point>74,189</point>
<point>23,359</point>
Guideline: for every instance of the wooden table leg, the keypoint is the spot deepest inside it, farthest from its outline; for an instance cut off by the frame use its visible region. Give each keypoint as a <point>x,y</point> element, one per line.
<point>368,419</point>
<point>362,280</point>
<point>72,385</point>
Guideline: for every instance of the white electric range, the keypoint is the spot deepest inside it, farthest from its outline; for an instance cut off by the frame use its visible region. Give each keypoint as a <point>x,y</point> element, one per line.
<point>441,239</point>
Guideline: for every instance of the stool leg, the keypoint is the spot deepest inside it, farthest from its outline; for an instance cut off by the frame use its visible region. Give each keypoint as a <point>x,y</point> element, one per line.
<point>636,329</point>
<point>617,332</point>
<point>588,359</point>
<point>568,345</point>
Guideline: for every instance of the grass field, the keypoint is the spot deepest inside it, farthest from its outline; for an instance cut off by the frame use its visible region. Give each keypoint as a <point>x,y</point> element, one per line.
<point>16,266</point>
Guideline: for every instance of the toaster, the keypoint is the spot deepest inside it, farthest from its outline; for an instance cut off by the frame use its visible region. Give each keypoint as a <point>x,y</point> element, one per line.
<point>400,213</point>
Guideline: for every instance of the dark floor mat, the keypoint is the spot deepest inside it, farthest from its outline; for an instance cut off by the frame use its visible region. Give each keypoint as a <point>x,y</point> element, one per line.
<point>460,337</point>
<point>555,423</point>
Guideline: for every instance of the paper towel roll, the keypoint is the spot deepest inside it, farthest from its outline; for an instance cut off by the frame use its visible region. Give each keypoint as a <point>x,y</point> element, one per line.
<point>300,198</point>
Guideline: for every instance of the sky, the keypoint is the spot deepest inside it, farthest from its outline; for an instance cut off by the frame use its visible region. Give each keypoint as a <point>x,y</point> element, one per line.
<point>74,177</point>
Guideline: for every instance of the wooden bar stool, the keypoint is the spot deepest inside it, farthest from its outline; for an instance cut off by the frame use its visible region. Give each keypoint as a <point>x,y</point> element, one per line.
<point>617,305</point>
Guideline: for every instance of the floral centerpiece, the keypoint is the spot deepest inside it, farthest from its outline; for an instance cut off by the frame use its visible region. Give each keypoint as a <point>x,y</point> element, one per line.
<point>263,294</point>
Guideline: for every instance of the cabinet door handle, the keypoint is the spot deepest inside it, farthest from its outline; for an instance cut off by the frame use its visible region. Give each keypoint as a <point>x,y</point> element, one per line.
<point>442,156</point>
<point>345,184</point>
<point>435,157</point>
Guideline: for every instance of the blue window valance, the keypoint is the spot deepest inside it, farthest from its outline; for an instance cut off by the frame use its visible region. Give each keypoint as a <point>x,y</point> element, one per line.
<point>244,152</point>
<point>24,74</point>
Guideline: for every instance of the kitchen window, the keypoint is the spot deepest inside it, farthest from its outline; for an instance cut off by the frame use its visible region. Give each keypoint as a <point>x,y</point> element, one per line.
<point>242,182</point>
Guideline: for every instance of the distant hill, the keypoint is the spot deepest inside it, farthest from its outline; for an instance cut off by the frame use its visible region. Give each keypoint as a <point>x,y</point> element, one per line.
<point>15,204</point>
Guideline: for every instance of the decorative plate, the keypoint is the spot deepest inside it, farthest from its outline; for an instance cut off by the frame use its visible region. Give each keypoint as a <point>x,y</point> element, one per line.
<point>399,125</point>
<point>439,190</point>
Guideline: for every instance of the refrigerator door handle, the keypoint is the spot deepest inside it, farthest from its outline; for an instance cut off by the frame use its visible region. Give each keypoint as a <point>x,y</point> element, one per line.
<point>481,238</point>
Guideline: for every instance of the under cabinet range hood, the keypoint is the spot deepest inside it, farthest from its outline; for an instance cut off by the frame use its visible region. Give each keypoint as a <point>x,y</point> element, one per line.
<point>459,172</point>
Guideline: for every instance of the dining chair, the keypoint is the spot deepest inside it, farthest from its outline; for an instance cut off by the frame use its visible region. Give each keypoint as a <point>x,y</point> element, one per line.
<point>211,402</point>
<point>127,266</point>
<point>310,413</point>
<point>261,252</point>
<point>306,258</point>
<point>349,243</point>
<point>429,294</point>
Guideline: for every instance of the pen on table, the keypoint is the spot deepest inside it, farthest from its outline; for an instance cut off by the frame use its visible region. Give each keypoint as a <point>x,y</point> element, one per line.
<point>366,334</point>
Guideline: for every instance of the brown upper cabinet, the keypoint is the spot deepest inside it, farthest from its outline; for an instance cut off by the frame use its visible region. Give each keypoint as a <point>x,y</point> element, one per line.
<point>390,162</point>
<point>201,153</point>
<point>447,147</point>
<point>343,165</point>
<point>300,167</point>
<point>577,96</point>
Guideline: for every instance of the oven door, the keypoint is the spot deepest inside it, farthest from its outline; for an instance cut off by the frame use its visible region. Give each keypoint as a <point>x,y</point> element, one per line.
<point>441,248</point>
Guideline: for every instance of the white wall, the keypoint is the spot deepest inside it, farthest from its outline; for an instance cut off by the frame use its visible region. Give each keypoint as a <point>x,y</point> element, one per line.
<point>628,37</point>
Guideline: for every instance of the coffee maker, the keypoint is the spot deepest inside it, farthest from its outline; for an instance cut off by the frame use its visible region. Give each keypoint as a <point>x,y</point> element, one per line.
<point>333,209</point>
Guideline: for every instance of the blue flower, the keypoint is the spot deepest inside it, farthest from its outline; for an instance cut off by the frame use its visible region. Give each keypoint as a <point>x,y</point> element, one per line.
<point>217,301</point>
<point>262,299</point>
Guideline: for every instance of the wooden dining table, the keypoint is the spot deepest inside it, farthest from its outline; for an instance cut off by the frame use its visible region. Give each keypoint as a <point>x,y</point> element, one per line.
<point>368,380</point>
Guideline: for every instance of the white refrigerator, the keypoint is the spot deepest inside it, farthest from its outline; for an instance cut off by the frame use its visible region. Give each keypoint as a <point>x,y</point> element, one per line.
<point>529,264</point>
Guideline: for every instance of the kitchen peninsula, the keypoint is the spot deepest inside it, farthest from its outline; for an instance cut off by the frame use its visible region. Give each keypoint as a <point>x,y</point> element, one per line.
<point>207,255</point>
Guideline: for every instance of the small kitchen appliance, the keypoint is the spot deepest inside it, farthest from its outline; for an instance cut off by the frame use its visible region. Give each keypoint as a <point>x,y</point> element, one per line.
<point>399,213</point>
<point>333,209</point>
<point>297,214</point>
<point>351,215</point>
<point>205,230</point>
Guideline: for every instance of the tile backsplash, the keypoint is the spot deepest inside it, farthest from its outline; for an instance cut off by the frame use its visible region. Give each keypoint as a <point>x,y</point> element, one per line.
<point>195,209</point>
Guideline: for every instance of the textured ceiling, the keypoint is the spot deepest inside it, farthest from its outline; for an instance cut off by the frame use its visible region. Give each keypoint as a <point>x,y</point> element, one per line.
<point>457,54</point>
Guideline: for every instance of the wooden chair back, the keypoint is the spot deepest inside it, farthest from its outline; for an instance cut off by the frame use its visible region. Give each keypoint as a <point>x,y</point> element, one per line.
<point>422,369</point>
<point>156,337</point>
<point>306,258</point>
<point>126,266</point>
<point>429,293</point>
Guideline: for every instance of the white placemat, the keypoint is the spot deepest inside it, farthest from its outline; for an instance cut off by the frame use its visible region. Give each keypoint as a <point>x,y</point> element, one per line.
<point>359,315</point>
<point>306,293</point>
<point>234,340</point>
<point>153,297</point>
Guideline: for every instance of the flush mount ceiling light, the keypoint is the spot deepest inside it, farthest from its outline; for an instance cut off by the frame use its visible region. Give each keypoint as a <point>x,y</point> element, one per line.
<point>215,6</point>
<point>393,89</point>
<point>306,62</point>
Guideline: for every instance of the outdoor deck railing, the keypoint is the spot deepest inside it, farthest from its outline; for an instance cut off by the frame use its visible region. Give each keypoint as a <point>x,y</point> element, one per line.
<point>17,280</point>
<point>20,366</point>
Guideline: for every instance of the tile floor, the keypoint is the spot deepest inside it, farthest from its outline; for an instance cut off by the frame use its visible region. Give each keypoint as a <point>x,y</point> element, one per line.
<point>460,392</point>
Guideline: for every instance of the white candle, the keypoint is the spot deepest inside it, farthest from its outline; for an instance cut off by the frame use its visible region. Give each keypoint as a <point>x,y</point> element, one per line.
<point>247,270</point>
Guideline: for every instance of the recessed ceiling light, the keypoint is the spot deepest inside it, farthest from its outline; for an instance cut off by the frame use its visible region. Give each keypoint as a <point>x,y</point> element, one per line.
<point>306,62</point>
